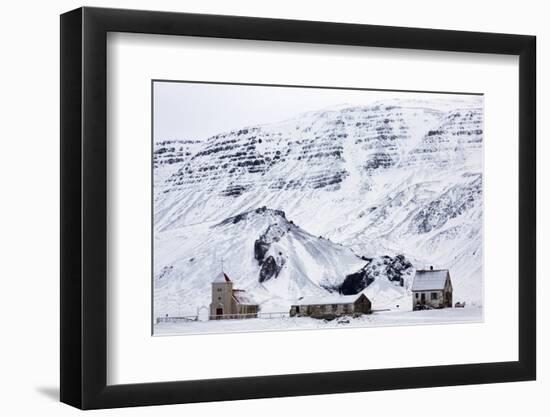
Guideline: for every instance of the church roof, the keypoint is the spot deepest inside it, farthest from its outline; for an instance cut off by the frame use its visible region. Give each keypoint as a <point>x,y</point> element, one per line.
<point>244,298</point>
<point>426,280</point>
<point>222,277</point>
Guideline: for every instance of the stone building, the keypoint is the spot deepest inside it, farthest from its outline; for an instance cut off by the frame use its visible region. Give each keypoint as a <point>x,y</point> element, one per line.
<point>329,307</point>
<point>230,303</point>
<point>432,288</point>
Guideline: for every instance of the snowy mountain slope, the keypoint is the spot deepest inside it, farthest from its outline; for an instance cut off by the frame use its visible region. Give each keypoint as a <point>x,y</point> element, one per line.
<point>167,157</point>
<point>317,153</point>
<point>396,177</point>
<point>187,259</point>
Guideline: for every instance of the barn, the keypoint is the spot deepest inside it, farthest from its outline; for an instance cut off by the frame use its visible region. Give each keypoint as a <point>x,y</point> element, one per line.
<point>230,303</point>
<point>432,288</point>
<point>329,307</point>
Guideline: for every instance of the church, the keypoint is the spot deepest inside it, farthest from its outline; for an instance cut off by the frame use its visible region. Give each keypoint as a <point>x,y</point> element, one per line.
<point>230,303</point>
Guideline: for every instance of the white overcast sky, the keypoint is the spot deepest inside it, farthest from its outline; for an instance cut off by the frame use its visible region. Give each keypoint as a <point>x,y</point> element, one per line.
<point>197,111</point>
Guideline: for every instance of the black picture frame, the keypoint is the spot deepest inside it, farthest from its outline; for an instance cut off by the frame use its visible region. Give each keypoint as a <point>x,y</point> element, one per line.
<point>84,207</point>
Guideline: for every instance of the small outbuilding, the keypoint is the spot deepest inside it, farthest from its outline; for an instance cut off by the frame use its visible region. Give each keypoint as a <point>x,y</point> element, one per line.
<point>332,306</point>
<point>432,288</point>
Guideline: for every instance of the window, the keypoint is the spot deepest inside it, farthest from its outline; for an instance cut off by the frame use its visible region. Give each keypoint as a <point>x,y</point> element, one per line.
<point>433,296</point>
<point>219,290</point>
<point>334,307</point>
<point>416,295</point>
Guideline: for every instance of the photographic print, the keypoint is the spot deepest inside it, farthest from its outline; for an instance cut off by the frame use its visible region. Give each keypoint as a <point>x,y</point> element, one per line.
<point>290,208</point>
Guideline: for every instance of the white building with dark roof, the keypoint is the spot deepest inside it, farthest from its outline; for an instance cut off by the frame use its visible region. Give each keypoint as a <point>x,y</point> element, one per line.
<point>331,306</point>
<point>230,303</point>
<point>432,288</point>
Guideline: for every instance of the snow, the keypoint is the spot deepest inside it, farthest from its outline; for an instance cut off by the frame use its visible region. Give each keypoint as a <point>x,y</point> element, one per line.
<point>384,294</point>
<point>376,319</point>
<point>328,299</point>
<point>242,297</point>
<point>354,182</point>
<point>196,252</point>
<point>222,277</point>
<point>430,280</point>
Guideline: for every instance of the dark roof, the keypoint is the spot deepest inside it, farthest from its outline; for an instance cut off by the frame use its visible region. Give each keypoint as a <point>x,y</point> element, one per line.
<point>425,280</point>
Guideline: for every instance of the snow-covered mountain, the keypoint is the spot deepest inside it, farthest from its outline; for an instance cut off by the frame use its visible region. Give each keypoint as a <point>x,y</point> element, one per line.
<point>295,207</point>
<point>262,251</point>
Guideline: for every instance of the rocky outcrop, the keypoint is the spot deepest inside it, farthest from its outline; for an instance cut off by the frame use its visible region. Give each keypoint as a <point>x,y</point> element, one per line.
<point>452,203</point>
<point>171,152</point>
<point>385,267</point>
<point>269,269</point>
<point>260,250</point>
<point>270,265</point>
<point>456,140</point>
<point>356,282</point>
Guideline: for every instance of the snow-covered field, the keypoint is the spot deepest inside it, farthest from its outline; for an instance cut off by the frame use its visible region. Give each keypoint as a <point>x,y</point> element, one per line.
<point>381,318</point>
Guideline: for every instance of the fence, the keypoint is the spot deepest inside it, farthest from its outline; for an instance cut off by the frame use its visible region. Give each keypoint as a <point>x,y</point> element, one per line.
<point>169,319</point>
<point>272,315</point>
<point>180,319</point>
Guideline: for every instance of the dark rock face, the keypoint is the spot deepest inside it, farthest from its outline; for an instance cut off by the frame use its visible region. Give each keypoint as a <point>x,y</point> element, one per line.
<point>270,269</point>
<point>173,152</point>
<point>260,250</point>
<point>264,209</point>
<point>263,243</point>
<point>273,234</point>
<point>392,268</point>
<point>395,267</point>
<point>459,134</point>
<point>234,190</point>
<point>356,282</point>
<point>379,160</point>
<point>165,272</point>
<point>449,205</point>
<point>259,211</point>
<point>271,265</point>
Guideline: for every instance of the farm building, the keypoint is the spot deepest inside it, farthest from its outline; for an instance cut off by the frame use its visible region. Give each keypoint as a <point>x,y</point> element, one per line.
<point>432,288</point>
<point>230,303</point>
<point>331,306</point>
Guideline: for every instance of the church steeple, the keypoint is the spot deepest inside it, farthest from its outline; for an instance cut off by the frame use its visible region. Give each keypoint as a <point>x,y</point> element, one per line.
<point>222,277</point>
<point>222,296</point>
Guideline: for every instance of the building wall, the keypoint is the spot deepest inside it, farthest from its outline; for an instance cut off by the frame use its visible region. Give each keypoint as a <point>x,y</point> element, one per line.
<point>252,310</point>
<point>449,290</point>
<point>362,306</point>
<point>438,302</point>
<point>222,297</point>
